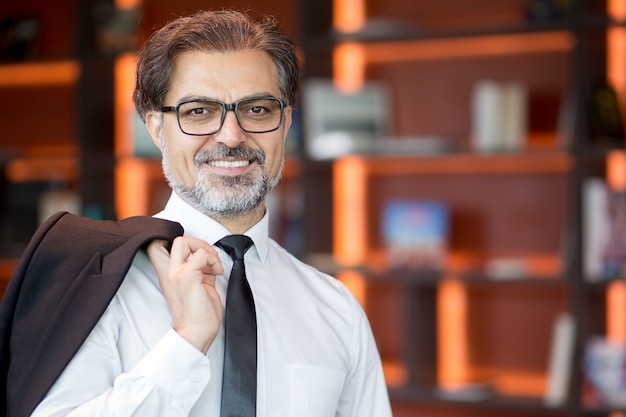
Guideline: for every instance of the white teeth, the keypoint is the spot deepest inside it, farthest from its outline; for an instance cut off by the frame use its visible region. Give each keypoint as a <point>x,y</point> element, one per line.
<point>229,164</point>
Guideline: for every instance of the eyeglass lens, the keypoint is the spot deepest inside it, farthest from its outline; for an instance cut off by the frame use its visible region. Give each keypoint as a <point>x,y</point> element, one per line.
<point>206,117</point>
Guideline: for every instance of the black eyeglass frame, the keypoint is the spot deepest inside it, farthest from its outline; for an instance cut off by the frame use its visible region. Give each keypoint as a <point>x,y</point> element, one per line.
<point>225,108</point>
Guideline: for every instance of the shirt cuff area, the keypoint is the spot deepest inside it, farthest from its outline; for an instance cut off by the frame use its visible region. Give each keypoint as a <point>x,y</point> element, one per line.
<point>177,367</point>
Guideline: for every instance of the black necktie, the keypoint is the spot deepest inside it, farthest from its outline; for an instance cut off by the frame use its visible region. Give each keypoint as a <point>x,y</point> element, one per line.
<point>239,385</point>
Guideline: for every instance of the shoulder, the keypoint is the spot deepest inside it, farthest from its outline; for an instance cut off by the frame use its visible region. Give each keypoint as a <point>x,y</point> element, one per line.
<point>324,289</point>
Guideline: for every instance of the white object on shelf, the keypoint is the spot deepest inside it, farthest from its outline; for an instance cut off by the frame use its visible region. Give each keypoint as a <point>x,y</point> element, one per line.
<point>560,361</point>
<point>338,123</point>
<point>499,116</point>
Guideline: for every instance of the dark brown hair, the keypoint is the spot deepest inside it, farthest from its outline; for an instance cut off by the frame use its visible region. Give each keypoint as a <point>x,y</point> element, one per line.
<point>211,31</point>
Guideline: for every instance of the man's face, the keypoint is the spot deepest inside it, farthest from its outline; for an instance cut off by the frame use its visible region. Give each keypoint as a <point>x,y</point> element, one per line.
<point>226,174</point>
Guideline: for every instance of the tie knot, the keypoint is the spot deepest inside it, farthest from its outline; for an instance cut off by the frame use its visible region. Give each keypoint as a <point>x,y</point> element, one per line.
<point>235,245</point>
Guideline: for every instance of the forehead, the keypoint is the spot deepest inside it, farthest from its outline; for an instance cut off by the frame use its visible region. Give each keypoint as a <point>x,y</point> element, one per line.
<point>224,76</point>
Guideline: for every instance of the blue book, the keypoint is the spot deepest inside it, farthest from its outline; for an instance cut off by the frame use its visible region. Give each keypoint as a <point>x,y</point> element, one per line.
<point>415,234</point>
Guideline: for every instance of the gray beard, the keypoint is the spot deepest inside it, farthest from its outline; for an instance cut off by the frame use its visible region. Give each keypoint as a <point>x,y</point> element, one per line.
<point>224,197</point>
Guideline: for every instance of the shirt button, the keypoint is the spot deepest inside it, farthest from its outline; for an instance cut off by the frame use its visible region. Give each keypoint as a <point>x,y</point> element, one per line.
<point>195,377</point>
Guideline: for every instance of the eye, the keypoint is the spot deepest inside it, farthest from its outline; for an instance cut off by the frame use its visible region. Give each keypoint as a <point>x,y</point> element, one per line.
<point>258,109</point>
<point>200,110</point>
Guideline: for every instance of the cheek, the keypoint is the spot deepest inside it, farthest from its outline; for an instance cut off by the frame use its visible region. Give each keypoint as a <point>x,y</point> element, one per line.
<point>273,158</point>
<point>181,160</point>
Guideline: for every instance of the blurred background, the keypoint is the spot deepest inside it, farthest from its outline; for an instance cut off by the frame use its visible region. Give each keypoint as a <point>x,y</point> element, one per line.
<point>460,165</point>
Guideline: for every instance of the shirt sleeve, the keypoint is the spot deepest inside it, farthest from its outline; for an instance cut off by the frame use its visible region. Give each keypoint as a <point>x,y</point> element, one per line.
<point>365,392</point>
<point>166,381</point>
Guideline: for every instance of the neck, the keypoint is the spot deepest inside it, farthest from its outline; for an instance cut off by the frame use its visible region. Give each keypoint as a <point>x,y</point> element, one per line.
<point>239,225</point>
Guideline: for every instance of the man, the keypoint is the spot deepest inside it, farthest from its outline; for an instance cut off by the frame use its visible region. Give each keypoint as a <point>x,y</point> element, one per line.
<point>216,90</point>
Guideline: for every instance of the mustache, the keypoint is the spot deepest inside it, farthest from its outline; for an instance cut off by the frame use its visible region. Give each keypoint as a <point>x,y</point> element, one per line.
<point>221,151</point>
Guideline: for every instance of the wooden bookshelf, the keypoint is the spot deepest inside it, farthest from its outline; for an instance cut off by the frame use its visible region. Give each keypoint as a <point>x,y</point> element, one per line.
<point>437,313</point>
<point>359,184</point>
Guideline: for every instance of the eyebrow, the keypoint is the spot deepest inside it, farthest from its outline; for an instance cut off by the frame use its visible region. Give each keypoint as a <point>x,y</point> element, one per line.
<point>199,98</point>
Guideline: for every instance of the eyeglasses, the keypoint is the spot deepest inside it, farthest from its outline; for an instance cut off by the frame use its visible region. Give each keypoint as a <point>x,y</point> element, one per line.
<point>206,117</point>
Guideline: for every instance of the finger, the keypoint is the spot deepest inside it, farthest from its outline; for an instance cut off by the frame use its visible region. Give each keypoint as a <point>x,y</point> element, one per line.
<point>157,247</point>
<point>183,247</point>
<point>159,256</point>
<point>209,279</point>
<point>196,244</point>
<point>206,260</point>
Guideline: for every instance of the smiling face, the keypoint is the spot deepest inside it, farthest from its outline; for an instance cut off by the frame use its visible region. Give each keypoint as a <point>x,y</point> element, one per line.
<point>225,175</point>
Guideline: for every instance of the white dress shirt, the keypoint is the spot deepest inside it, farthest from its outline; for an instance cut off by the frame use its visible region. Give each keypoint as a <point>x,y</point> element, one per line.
<point>316,353</point>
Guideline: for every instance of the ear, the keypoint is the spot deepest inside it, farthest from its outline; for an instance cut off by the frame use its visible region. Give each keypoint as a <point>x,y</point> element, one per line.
<point>154,126</point>
<point>287,121</point>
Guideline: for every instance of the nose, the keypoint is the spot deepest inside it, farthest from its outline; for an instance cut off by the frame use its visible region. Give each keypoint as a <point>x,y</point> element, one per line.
<point>231,133</point>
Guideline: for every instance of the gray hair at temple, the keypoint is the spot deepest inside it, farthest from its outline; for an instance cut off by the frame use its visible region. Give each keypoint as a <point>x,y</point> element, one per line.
<point>211,31</point>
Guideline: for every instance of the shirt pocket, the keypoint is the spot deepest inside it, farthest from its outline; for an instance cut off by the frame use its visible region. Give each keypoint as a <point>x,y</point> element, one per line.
<point>313,391</point>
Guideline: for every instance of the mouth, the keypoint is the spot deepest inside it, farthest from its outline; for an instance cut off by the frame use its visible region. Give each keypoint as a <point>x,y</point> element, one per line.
<point>230,161</point>
<point>229,164</point>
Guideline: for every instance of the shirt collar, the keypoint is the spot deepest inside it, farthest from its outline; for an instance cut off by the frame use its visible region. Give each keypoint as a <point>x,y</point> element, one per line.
<point>201,226</point>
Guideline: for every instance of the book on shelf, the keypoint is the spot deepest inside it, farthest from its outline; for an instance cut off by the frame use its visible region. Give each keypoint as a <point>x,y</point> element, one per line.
<point>604,365</point>
<point>604,223</point>
<point>415,234</point>
<point>499,121</point>
<point>560,360</point>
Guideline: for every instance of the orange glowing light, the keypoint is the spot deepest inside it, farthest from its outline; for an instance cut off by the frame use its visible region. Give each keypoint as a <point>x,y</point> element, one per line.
<point>616,170</point>
<point>616,50</point>
<point>127,4</point>
<point>124,107</point>
<point>616,9</point>
<point>349,197</point>
<point>452,339</point>
<point>130,190</point>
<point>616,60</point>
<point>348,15</point>
<point>616,311</point>
<point>348,59</point>
<point>355,283</point>
<point>349,67</point>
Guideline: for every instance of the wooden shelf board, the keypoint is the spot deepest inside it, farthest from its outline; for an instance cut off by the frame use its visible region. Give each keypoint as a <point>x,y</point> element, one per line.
<point>37,74</point>
<point>62,168</point>
<point>465,163</point>
<point>470,47</point>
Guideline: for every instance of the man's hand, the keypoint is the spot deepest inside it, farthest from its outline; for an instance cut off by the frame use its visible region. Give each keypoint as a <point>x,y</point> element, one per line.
<point>187,278</point>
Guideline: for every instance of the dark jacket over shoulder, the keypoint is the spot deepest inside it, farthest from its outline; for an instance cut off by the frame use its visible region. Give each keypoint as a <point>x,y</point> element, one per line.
<point>65,280</point>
